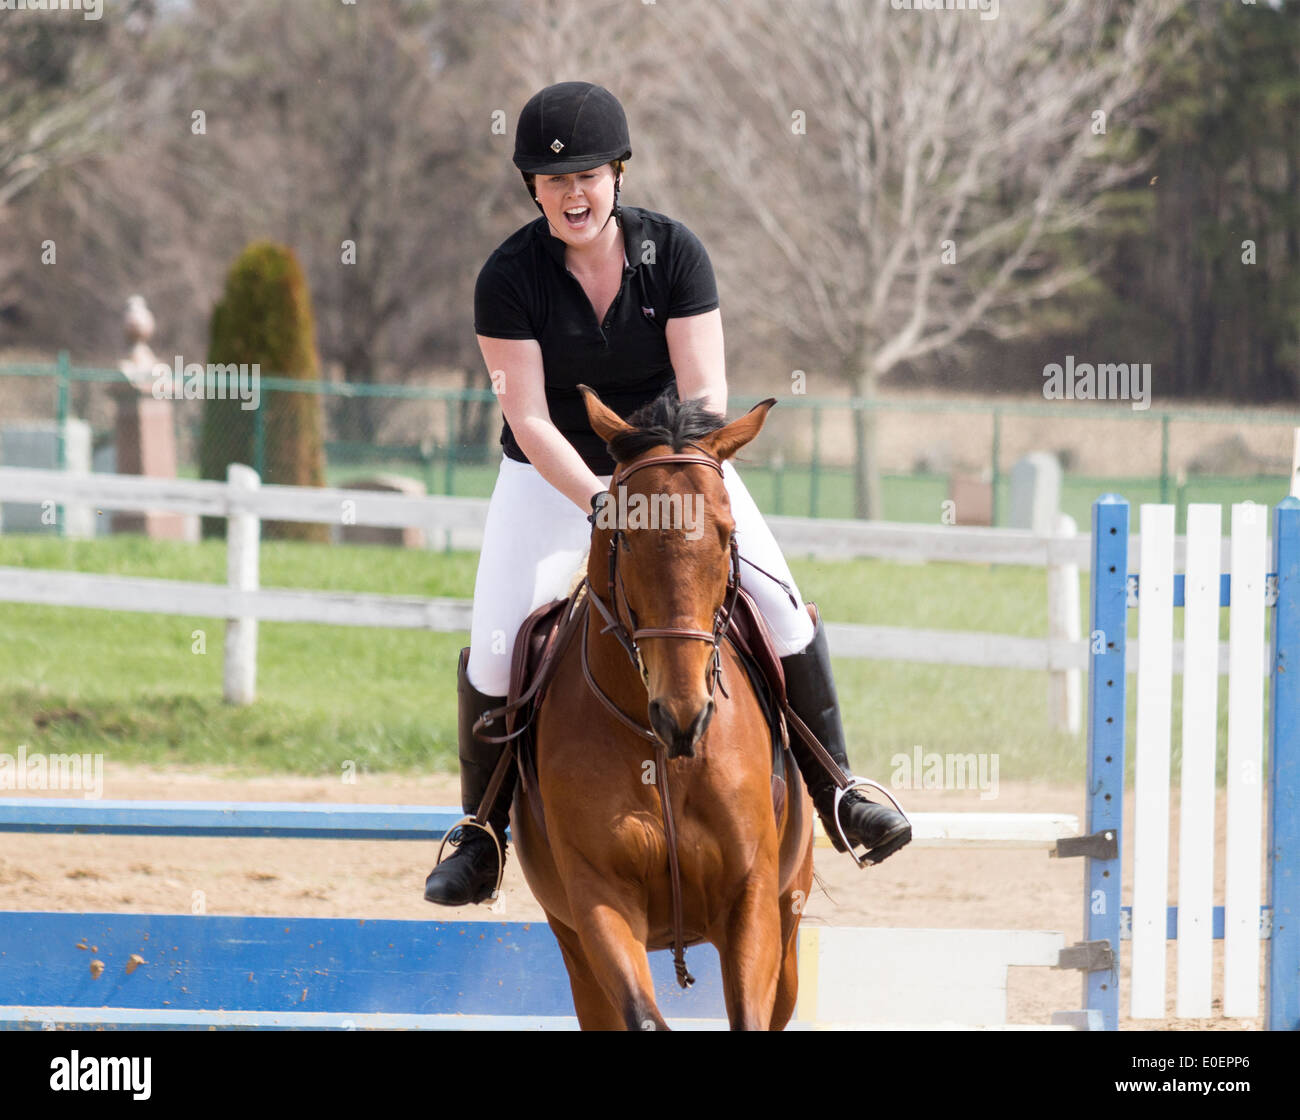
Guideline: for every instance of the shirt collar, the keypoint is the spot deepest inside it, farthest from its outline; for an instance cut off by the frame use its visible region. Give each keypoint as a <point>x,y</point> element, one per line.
<point>632,230</point>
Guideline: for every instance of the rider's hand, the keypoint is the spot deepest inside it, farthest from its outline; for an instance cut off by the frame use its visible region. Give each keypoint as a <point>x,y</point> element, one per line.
<point>598,500</point>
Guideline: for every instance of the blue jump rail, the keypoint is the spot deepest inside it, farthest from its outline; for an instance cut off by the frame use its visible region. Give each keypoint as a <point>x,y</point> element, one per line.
<point>194,972</point>
<point>286,820</point>
<point>181,971</point>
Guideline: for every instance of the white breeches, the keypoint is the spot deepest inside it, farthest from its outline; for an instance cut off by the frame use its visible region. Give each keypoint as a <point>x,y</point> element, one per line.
<point>535,540</point>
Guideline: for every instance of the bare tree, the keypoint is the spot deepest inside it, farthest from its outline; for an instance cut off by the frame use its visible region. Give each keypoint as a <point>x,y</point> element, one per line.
<point>70,92</point>
<point>906,178</point>
<point>58,101</point>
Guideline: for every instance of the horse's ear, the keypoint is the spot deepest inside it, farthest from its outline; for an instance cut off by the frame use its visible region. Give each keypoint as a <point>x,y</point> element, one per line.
<point>725,442</point>
<point>605,422</point>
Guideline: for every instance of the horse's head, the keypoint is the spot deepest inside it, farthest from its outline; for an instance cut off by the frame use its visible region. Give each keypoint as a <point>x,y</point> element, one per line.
<point>664,543</point>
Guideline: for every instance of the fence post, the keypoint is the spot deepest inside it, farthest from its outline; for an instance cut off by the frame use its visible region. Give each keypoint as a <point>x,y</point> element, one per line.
<point>1107,685</point>
<point>994,473</point>
<point>259,435</point>
<point>449,468</point>
<point>61,436</point>
<point>1064,686</point>
<point>243,535</point>
<point>1164,459</point>
<point>1284,775</point>
<point>814,482</point>
<point>1295,463</point>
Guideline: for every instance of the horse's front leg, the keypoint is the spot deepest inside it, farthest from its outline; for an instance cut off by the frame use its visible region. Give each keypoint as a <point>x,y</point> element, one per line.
<point>751,955</point>
<point>792,903</point>
<point>594,1010</point>
<point>613,942</point>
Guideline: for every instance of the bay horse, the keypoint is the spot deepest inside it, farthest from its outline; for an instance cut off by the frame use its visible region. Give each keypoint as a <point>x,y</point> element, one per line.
<point>675,697</point>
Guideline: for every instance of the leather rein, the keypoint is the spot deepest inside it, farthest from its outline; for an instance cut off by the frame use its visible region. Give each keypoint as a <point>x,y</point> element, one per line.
<point>630,641</point>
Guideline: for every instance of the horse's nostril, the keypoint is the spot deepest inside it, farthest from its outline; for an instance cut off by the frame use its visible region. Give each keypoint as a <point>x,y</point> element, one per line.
<point>661,721</point>
<point>701,723</point>
<point>679,737</point>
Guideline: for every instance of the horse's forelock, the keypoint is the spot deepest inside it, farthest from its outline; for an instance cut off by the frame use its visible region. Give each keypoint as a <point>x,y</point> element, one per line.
<point>665,421</point>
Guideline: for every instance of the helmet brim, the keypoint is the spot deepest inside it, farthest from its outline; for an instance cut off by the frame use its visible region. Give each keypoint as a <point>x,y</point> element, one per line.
<point>559,166</point>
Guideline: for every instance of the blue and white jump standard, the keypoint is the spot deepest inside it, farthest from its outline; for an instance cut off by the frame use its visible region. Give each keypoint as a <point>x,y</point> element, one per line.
<point>1252,588</point>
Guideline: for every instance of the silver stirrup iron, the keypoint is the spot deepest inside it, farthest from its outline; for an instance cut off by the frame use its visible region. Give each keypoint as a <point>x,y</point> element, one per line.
<point>470,822</point>
<point>854,783</point>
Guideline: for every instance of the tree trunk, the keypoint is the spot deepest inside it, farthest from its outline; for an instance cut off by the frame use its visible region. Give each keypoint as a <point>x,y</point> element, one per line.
<point>867,501</point>
<point>356,418</point>
<point>478,419</point>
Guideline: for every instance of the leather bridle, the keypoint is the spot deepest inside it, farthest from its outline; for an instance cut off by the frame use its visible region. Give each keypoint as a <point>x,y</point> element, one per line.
<point>630,639</point>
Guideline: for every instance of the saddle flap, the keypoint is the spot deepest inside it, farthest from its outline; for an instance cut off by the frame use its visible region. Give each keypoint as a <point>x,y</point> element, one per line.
<point>533,661</point>
<point>750,634</point>
<point>540,638</point>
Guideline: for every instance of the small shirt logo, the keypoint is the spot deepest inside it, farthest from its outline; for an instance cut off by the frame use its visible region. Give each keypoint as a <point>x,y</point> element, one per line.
<point>556,145</point>
<point>648,312</point>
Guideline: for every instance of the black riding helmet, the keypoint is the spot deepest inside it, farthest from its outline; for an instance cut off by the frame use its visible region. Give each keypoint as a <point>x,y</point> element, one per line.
<point>572,126</point>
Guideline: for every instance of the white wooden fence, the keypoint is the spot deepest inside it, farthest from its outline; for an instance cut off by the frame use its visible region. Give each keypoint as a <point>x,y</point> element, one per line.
<point>243,602</point>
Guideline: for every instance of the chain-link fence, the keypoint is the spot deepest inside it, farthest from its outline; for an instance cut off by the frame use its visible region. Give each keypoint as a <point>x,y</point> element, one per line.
<point>803,463</point>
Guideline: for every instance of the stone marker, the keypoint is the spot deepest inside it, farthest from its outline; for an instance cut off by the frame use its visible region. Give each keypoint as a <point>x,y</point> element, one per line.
<point>1035,493</point>
<point>145,436</point>
<point>36,445</point>
<point>972,498</point>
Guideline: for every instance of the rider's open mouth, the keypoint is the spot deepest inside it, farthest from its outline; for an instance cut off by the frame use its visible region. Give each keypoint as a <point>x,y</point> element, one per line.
<point>577,216</point>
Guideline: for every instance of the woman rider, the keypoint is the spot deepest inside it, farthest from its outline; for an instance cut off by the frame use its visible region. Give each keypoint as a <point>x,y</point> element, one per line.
<point>623,300</point>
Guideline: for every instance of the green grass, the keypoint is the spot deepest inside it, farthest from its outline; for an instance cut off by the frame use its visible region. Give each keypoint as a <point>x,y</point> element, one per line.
<point>146,689</point>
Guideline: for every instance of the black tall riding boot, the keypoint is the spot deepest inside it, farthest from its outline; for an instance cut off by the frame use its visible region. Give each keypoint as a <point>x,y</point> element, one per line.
<point>810,688</point>
<point>470,874</point>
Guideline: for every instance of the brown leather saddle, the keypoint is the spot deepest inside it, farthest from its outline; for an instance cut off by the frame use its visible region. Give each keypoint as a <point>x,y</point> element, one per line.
<point>546,633</point>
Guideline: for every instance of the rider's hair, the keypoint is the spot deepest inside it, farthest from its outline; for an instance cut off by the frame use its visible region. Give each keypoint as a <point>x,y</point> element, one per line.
<point>665,420</point>
<point>531,179</point>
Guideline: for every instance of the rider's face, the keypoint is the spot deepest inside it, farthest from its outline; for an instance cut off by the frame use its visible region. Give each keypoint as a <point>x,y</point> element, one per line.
<point>577,205</point>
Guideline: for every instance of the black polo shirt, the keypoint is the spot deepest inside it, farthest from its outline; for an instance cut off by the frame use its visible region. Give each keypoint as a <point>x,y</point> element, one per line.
<point>525,291</point>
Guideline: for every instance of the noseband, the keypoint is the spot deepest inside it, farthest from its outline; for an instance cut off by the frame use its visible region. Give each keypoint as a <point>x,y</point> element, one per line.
<point>630,640</point>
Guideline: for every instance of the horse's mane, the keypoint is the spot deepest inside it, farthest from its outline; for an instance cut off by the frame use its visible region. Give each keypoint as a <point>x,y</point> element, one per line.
<point>664,420</point>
